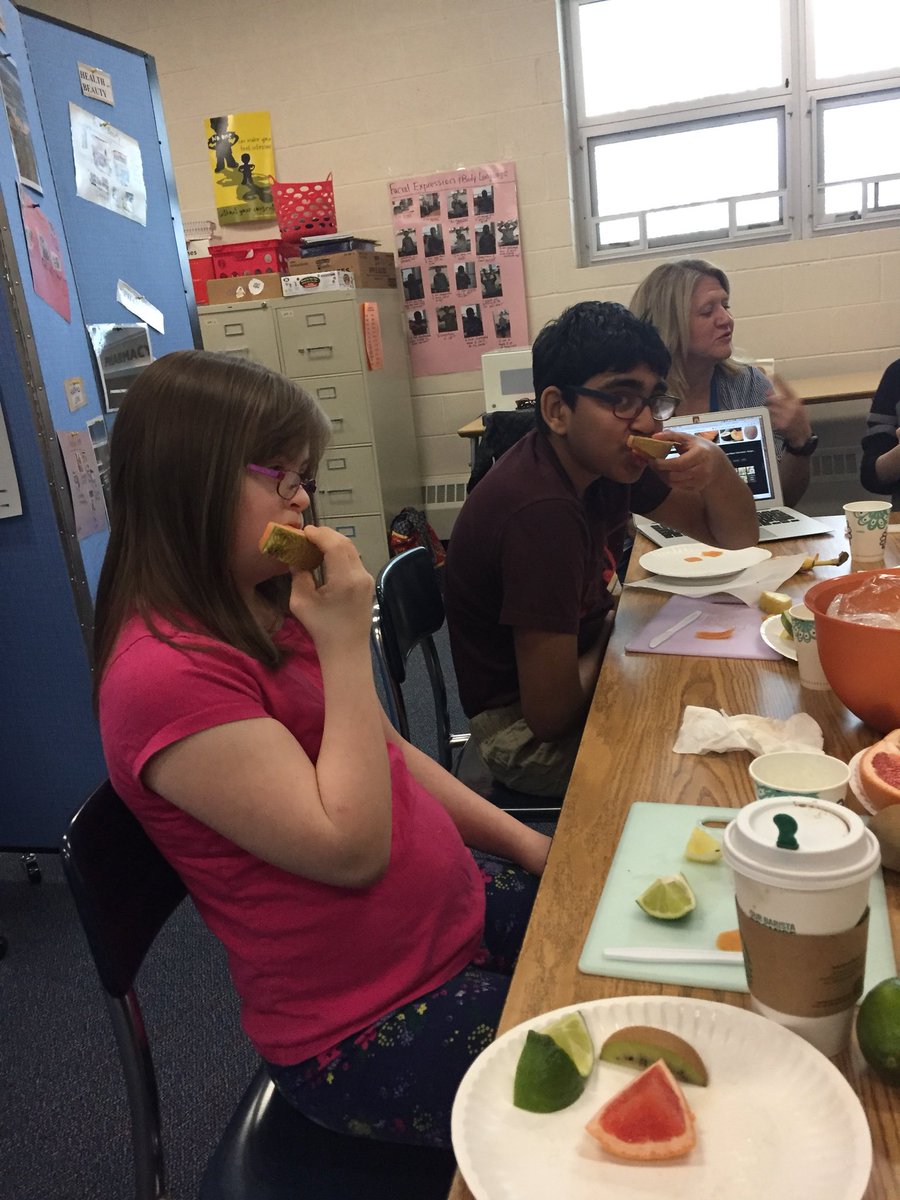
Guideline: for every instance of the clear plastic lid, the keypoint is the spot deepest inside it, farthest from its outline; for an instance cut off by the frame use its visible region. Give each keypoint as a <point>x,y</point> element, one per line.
<point>800,843</point>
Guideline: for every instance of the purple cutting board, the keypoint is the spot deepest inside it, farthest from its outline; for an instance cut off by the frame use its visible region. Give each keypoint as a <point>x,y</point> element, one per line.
<point>745,642</point>
<point>652,844</point>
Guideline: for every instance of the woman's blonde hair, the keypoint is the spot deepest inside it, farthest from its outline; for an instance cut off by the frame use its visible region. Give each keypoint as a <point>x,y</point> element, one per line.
<point>664,299</point>
<point>182,438</point>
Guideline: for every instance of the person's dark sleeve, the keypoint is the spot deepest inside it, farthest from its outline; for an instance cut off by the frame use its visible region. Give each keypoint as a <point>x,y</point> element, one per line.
<point>648,493</point>
<point>881,430</point>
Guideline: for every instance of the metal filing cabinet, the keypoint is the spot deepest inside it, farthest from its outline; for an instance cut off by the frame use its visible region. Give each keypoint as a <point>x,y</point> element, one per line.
<point>370,469</point>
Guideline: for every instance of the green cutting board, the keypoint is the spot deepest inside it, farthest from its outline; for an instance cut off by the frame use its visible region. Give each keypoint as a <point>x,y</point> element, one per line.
<point>652,844</point>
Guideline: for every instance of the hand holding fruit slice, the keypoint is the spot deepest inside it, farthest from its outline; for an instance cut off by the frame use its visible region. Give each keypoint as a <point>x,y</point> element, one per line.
<point>648,1120</point>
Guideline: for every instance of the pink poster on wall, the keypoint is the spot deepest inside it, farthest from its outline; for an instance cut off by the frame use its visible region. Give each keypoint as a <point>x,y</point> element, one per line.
<point>456,238</point>
<point>47,270</point>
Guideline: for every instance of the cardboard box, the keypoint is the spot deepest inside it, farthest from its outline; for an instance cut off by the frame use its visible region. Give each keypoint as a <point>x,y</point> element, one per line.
<point>316,281</point>
<point>244,287</point>
<point>371,269</point>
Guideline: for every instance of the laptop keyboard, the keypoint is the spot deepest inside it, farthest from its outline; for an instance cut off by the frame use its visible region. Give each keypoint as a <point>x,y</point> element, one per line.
<point>774,516</point>
<point>766,516</point>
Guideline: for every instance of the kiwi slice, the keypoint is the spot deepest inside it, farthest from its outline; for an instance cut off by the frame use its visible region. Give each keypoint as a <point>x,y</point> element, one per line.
<point>639,1046</point>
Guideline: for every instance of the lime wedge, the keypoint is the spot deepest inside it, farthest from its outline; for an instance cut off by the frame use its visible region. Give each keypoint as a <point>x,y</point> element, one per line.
<point>546,1077</point>
<point>668,898</point>
<point>702,846</point>
<point>571,1034</point>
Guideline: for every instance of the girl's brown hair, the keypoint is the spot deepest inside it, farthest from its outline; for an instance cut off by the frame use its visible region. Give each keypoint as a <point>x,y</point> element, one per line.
<point>183,435</point>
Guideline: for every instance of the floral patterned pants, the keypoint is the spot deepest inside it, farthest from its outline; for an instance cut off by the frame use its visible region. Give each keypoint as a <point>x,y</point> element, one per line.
<point>396,1080</point>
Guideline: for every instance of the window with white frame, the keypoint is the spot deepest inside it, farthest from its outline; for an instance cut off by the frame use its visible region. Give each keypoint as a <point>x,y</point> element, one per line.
<point>714,122</point>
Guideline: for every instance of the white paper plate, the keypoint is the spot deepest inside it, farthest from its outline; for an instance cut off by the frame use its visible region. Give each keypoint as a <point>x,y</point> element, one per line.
<point>709,562</point>
<point>778,1120</point>
<point>770,631</point>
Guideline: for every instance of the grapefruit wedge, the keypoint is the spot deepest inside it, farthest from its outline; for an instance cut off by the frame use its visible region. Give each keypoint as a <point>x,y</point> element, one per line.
<point>646,1121</point>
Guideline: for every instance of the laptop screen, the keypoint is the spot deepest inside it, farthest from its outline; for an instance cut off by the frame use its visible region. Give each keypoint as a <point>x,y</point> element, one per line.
<point>742,436</point>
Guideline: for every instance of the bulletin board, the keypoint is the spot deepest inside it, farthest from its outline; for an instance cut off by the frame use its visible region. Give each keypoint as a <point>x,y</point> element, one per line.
<point>49,568</point>
<point>106,247</point>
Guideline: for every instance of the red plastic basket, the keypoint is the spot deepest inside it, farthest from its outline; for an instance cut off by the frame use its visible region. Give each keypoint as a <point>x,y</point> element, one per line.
<point>248,258</point>
<point>304,209</point>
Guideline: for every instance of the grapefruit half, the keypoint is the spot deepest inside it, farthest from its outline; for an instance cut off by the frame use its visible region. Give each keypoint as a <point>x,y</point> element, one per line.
<point>879,771</point>
<point>646,1121</point>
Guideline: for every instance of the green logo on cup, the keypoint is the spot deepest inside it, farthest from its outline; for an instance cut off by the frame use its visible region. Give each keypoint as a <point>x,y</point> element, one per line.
<point>763,792</point>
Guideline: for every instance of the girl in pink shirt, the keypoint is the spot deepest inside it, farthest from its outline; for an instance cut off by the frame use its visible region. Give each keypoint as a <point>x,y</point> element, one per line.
<point>370,948</point>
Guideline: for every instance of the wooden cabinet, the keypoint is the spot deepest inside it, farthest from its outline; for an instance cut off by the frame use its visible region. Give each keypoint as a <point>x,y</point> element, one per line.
<point>370,470</point>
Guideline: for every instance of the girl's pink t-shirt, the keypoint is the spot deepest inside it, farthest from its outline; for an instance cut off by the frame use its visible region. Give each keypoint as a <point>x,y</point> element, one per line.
<point>312,963</point>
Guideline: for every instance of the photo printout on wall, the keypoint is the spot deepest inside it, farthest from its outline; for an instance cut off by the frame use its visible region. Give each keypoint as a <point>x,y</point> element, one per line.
<point>456,237</point>
<point>109,170</point>
<point>19,128</point>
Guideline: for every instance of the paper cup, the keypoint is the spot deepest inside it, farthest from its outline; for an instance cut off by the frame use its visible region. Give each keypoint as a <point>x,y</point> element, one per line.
<point>803,625</point>
<point>867,528</point>
<point>795,773</point>
<point>802,869</point>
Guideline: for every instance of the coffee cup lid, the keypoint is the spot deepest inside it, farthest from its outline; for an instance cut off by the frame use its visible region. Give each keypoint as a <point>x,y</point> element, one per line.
<point>800,843</point>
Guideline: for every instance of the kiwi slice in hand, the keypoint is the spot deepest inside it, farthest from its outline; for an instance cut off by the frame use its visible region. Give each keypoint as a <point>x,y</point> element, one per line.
<point>639,1046</point>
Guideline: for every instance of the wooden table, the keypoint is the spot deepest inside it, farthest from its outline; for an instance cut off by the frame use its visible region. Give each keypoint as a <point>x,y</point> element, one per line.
<point>626,755</point>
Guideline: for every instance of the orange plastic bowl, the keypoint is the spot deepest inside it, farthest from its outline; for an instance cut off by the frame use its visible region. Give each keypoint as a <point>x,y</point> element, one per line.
<point>861,663</point>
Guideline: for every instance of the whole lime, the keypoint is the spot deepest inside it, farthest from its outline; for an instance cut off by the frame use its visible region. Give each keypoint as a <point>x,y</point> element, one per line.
<point>878,1029</point>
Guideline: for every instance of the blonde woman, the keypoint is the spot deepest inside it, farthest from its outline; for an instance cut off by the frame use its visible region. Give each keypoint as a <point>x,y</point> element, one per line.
<point>688,301</point>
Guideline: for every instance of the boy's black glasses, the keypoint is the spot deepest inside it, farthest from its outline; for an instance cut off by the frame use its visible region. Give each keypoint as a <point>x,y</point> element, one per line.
<point>289,482</point>
<point>626,405</point>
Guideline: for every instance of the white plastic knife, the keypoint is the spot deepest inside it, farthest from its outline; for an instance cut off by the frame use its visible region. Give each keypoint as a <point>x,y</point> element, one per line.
<point>672,954</point>
<point>673,629</point>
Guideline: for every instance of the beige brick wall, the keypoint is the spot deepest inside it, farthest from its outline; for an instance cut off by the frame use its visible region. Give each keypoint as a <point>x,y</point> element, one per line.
<point>378,89</point>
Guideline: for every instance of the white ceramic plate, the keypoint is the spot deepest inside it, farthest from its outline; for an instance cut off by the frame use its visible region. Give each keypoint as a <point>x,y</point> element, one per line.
<point>778,1120</point>
<point>696,561</point>
<point>770,631</point>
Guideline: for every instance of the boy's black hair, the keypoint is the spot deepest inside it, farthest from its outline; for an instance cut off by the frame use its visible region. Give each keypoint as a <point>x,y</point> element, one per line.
<point>589,338</point>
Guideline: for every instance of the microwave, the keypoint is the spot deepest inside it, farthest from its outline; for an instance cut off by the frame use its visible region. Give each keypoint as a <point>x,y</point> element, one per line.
<point>506,378</point>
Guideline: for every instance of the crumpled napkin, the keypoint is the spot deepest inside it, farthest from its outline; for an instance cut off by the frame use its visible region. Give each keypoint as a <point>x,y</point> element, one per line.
<point>706,731</point>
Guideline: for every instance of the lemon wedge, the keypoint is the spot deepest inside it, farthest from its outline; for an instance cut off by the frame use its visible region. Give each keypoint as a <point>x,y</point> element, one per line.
<point>702,847</point>
<point>774,602</point>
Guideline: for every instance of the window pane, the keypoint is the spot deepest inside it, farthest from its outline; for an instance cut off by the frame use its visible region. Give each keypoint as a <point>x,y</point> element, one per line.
<point>708,219</point>
<point>860,140</point>
<point>625,232</point>
<point>751,214</point>
<point>690,165</point>
<point>884,195</point>
<point>842,199</point>
<point>855,41</point>
<point>642,53</point>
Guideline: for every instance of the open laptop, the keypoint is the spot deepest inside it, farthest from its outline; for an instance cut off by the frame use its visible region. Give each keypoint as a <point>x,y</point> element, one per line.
<point>745,434</point>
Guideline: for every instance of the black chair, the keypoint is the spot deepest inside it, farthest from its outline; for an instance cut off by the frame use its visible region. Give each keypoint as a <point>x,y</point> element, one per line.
<point>409,611</point>
<point>125,891</point>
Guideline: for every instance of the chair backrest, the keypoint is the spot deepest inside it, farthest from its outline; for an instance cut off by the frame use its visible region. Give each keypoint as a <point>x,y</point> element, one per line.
<point>124,892</point>
<point>124,889</point>
<point>410,610</point>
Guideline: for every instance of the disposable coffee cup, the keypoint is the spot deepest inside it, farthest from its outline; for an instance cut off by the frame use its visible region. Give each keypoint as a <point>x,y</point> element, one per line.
<point>799,773</point>
<point>809,666</point>
<point>867,529</point>
<point>802,869</point>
